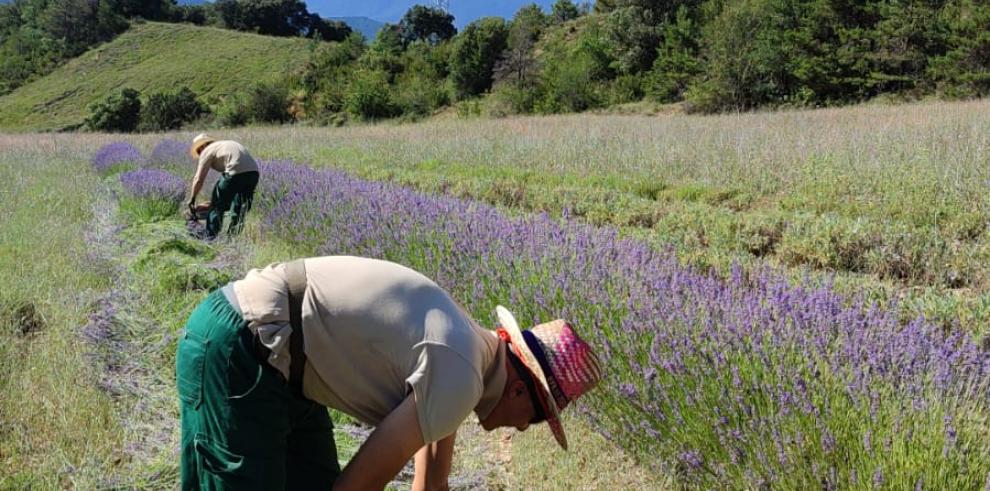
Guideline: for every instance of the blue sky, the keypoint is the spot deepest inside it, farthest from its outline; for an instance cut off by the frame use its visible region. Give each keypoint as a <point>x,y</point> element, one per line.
<point>464,11</point>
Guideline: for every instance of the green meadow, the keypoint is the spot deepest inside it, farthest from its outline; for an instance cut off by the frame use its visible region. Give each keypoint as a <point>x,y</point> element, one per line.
<point>888,202</point>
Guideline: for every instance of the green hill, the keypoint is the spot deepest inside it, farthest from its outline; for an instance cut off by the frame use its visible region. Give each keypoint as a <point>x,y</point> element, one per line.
<point>150,57</point>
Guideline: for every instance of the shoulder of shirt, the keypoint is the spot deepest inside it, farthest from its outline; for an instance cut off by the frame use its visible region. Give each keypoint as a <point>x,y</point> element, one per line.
<point>460,356</point>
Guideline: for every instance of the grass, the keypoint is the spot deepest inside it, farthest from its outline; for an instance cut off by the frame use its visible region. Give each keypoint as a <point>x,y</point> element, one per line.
<point>150,57</point>
<point>54,415</point>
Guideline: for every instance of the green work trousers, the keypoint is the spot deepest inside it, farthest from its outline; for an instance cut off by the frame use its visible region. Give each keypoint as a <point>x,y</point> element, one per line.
<point>231,193</point>
<point>242,426</point>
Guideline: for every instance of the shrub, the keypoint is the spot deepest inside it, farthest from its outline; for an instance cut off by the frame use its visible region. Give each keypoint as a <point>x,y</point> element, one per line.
<point>262,103</point>
<point>119,112</point>
<point>113,156</point>
<point>368,96</point>
<point>233,111</point>
<point>165,111</point>
<point>268,103</point>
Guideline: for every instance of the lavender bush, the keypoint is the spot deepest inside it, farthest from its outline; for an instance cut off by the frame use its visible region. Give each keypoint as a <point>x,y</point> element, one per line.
<point>113,157</point>
<point>738,382</point>
<point>150,194</point>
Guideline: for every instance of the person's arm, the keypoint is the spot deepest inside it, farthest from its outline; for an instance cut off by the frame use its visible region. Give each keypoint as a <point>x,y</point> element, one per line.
<point>386,451</point>
<point>433,463</point>
<point>198,179</point>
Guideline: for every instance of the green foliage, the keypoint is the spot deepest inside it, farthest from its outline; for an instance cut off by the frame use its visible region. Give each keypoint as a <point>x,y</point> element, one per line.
<point>368,96</point>
<point>326,73</point>
<point>278,18</point>
<point>564,10</point>
<point>261,103</point>
<point>119,112</point>
<point>421,89</point>
<point>712,54</point>
<point>572,76</point>
<point>632,35</point>
<point>678,60</point>
<point>430,24</point>
<point>164,111</point>
<point>37,35</point>
<point>475,52</point>
<point>233,111</point>
<point>268,103</point>
<point>964,69</point>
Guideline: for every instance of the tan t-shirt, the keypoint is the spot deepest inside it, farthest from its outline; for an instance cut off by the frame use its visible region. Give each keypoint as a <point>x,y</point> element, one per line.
<point>227,156</point>
<point>375,331</point>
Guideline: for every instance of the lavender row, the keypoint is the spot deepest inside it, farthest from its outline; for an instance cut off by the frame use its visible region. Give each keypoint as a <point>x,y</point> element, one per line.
<point>744,379</point>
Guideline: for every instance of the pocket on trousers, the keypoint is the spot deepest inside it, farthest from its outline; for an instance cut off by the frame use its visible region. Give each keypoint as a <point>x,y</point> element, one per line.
<point>216,459</point>
<point>190,364</point>
<point>244,374</point>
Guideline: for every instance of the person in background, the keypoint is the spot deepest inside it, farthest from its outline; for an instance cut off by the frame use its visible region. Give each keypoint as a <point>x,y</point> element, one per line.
<point>235,189</point>
<point>262,358</point>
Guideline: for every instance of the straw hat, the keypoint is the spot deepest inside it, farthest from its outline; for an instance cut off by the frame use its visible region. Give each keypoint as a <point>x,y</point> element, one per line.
<point>561,363</point>
<point>198,143</point>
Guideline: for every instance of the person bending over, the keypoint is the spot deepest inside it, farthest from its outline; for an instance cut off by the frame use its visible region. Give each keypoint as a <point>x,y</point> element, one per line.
<point>262,358</point>
<point>235,189</point>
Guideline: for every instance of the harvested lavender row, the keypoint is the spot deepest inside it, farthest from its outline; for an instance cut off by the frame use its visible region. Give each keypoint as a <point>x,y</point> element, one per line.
<point>153,184</point>
<point>729,382</point>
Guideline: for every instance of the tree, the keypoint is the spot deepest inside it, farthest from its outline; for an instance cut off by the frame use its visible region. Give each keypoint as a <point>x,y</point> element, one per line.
<point>327,30</point>
<point>119,112</point>
<point>278,18</point>
<point>475,52</point>
<point>564,10</point>
<point>427,24</point>
<point>678,60</point>
<point>633,34</point>
<point>518,63</point>
<point>964,70</point>
<point>385,52</point>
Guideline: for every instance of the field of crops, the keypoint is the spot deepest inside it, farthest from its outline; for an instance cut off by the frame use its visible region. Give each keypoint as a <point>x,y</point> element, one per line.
<point>757,286</point>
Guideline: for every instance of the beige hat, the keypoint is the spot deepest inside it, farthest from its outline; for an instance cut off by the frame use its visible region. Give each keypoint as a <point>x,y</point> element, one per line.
<point>200,142</point>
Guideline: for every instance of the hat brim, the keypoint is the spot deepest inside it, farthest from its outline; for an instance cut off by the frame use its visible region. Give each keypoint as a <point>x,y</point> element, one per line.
<point>508,322</point>
<point>197,148</point>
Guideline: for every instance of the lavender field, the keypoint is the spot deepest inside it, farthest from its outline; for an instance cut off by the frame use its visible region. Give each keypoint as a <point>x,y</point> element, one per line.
<point>752,374</point>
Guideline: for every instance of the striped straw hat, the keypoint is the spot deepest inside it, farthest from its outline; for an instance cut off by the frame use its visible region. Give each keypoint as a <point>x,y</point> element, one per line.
<point>562,364</point>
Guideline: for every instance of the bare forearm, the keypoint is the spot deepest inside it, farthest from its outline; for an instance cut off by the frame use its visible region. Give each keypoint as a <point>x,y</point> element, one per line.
<point>433,463</point>
<point>388,448</point>
<point>197,182</point>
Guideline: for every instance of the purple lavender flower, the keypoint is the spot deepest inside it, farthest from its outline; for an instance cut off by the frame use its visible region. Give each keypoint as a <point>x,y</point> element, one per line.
<point>692,459</point>
<point>153,184</point>
<point>115,153</point>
